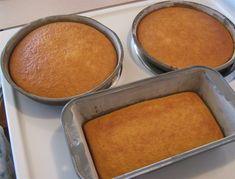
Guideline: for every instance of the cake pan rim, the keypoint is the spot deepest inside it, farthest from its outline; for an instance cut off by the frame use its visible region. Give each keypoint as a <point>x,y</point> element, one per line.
<point>163,75</point>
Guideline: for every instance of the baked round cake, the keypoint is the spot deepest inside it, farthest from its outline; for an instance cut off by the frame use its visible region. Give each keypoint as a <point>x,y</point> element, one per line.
<point>62,59</point>
<point>180,36</point>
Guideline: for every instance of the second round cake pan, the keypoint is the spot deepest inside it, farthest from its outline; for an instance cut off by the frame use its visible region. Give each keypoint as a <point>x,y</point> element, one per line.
<point>154,63</point>
<point>109,81</point>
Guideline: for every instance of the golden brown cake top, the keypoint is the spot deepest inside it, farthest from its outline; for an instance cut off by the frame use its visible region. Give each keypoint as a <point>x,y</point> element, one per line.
<point>62,59</point>
<point>182,37</point>
<point>147,132</point>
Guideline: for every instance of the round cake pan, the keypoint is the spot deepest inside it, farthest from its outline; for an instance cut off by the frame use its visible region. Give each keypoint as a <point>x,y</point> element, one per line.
<point>152,63</point>
<point>109,81</point>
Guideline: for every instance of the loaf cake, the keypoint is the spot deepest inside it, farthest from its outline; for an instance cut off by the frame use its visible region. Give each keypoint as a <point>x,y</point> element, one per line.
<point>147,132</point>
<point>181,36</point>
<point>62,59</point>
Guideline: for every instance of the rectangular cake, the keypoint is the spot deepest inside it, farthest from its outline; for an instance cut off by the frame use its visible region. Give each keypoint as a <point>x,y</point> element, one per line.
<point>147,132</point>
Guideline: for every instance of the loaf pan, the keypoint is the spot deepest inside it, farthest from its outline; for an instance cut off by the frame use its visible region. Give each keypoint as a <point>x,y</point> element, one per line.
<point>207,83</point>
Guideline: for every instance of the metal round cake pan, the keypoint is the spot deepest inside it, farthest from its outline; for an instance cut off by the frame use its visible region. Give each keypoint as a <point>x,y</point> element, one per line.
<point>154,63</point>
<point>109,81</point>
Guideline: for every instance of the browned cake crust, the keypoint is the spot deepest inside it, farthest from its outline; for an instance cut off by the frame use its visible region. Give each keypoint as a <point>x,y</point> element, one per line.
<point>182,37</point>
<point>62,59</point>
<point>147,132</point>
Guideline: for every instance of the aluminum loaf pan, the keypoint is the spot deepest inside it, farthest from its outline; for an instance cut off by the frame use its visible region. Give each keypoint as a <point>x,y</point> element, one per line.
<point>207,83</point>
<point>6,55</point>
<point>152,63</point>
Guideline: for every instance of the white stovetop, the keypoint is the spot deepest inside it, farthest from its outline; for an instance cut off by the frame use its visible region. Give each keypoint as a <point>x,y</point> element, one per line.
<point>38,141</point>
<point>17,12</point>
